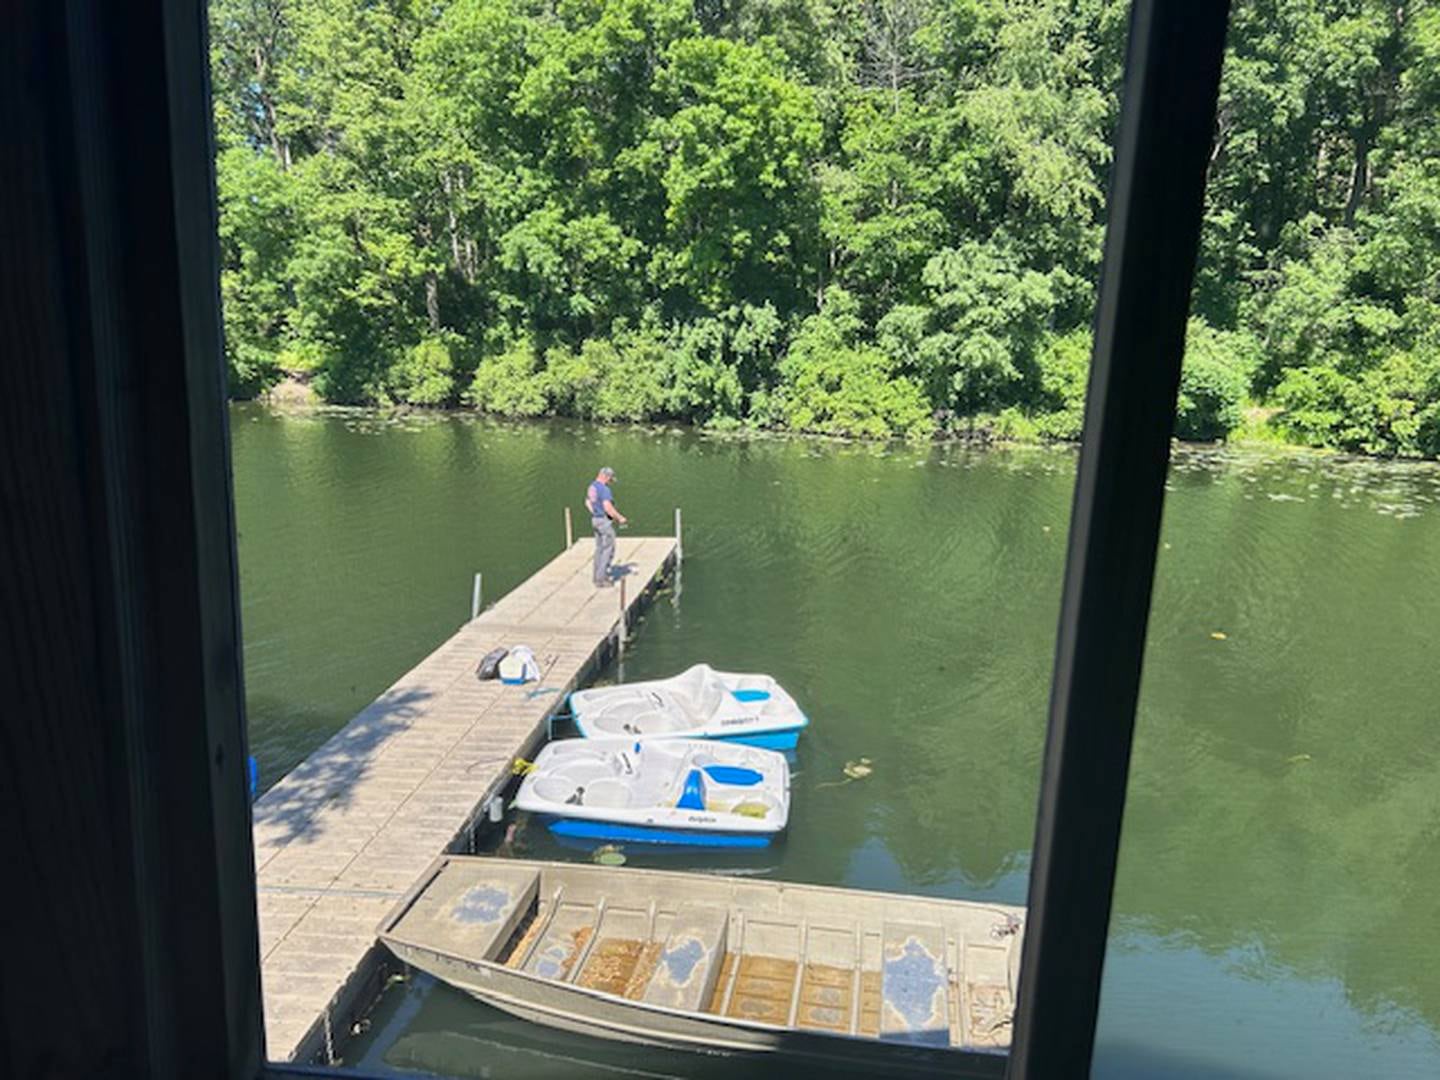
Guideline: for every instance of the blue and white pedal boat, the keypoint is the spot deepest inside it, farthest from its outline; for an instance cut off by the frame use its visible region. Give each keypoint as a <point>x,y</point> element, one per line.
<point>685,792</point>
<point>699,703</point>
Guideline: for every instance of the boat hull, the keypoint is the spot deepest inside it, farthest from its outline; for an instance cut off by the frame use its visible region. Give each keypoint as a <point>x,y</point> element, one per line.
<point>788,739</point>
<point>565,1008</point>
<point>611,832</point>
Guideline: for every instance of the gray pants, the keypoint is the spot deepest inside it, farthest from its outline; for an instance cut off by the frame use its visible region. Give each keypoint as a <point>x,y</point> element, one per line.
<point>604,548</point>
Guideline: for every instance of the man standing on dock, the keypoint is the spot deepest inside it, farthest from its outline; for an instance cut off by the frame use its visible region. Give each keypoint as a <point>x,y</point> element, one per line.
<point>599,500</point>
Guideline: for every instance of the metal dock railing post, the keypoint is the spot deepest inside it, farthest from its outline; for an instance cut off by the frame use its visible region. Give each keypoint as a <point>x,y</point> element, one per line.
<point>475,596</point>
<point>679,547</point>
<point>569,531</point>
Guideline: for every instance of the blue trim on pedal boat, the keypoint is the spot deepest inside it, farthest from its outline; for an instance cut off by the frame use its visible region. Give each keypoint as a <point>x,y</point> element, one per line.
<point>750,695</point>
<point>774,739</point>
<point>733,775</point>
<point>579,724</point>
<point>692,794</point>
<point>771,739</point>
<point>578,829</point>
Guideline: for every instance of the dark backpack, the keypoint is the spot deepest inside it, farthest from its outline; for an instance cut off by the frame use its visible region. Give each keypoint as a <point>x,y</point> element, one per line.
<point>489,666</point>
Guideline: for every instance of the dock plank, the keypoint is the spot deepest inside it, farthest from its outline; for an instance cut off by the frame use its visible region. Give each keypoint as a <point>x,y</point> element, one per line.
<point>340,837</point>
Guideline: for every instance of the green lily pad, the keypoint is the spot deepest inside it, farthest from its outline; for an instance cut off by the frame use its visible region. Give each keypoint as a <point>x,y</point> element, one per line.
<point>608,855</point>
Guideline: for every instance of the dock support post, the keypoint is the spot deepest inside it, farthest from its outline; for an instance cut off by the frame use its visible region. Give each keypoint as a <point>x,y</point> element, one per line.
<point>475,597</point>
<point>569,531</point>
<point>620,635</point>
<point>679,547</point>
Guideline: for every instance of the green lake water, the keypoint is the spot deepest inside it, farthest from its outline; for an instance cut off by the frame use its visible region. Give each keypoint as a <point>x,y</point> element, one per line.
<point>1278,905</point>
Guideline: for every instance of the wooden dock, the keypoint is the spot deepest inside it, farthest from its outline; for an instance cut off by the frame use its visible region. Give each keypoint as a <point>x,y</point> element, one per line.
<point>349,829</point>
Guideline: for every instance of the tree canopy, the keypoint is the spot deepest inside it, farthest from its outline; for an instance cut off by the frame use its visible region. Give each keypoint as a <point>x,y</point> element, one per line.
<point>874,217</point>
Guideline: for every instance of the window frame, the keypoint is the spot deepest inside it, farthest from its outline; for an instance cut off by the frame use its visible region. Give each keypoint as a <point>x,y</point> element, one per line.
<point>1152,237</point>
<point>126,166</point>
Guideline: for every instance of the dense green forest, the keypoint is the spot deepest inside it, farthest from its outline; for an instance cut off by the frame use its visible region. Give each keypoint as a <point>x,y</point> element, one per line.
<point>869,217</point>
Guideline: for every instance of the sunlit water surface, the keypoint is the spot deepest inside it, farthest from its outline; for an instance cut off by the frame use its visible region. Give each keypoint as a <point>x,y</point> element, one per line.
<point>1278,906</point>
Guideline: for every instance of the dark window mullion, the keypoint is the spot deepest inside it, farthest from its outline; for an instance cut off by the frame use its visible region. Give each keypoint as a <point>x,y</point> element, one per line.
<point>1171,81</point>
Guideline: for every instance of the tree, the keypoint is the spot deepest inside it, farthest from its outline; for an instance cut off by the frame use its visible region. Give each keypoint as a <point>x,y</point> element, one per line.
<point>735,159</point>
<point>640,209</point>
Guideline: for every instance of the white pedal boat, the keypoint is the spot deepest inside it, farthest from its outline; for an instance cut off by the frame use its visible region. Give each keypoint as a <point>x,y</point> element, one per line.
<point>673,791</point>
<point>700,703</point>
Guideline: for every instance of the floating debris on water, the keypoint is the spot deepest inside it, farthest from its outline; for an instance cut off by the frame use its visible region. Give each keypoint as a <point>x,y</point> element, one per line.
<point>1219,635</point>
<point>608,855</point>
<point>858,770</point>
<point>853,770</point>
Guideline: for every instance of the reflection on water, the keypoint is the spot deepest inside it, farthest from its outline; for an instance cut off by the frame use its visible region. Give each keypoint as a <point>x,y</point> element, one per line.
<point>1276,910</point>
<point>424,1026</point>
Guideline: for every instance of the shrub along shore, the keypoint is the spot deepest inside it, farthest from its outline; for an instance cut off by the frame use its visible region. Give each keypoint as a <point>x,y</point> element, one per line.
<point>1256,429</point>
<point>881,219</point>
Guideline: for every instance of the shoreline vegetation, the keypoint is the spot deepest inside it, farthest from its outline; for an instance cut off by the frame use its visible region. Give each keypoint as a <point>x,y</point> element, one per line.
<point>293,397</point>
<point>877,220</point>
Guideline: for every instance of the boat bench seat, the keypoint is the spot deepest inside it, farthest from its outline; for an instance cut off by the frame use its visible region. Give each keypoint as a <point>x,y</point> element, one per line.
<point>470,908</point>
<point>914,985</point>
<point>689,964</point>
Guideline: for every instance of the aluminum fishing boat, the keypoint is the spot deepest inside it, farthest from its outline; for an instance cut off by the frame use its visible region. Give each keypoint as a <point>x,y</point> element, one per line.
<point>834,977</point>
